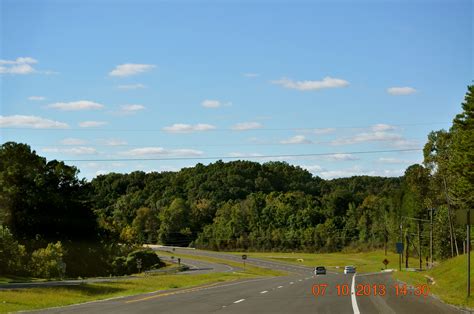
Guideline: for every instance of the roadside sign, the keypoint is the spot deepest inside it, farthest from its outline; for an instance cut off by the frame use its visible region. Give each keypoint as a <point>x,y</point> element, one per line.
<point>244,256</point>
<point>399,246</point>
<point>461,217</point>
<point>385,262</point>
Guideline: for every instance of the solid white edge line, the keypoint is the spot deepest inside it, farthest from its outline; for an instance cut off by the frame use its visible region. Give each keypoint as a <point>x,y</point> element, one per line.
<point>355,308</point>
<point>238,301</point>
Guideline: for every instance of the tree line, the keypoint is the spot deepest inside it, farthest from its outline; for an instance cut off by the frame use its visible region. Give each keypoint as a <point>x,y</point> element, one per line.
<point>235,205</point>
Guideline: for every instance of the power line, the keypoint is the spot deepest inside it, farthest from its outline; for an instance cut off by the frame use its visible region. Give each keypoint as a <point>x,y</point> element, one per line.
<point>216,129</point>
<point>242,157</point>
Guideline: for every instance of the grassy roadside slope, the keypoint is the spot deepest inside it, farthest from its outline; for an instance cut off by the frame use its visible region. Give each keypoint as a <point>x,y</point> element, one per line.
<point>38,298</point>
<point>449,281</point>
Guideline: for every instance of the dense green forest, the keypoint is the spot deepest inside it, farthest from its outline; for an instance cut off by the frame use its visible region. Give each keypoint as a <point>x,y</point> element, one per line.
<point>89,228</point>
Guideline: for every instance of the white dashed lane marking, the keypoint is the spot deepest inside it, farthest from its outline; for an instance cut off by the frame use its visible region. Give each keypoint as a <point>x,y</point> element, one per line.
<point>238,301</point>
<point>264,292</point>
<point>280,287</point>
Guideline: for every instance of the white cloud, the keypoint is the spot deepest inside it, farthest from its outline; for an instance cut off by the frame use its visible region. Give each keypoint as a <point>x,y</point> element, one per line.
<point>129,69</point>
<point>324,130</point>
<point>212,103</point>
<point>21,65</point>
<point>251,74</point>
<point>401,90</point>
<point>81,150</point>
<point>160,151</point>
<point>76,105</point>
<point>20,60</point>
<point>297,139</point>
<point>382,127</point>
<point>341,157</point>
<point>127,109</point>
<point>368,137</point>
<point>91,124</point>
<point>243,126</point>
<point>209,103</point>
<point>30,122</point>
<point>243,155</point>
<point>391,160</point>
<point>36,98</point>
<point>313,168</point>
<point>186,128</point>
<point>73,141</point>
<point>131,86</point>
<point>112,142</point>
<point>327,82</point>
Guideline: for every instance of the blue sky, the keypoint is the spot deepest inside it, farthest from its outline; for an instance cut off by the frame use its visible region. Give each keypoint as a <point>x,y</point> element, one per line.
<point>94,81</point>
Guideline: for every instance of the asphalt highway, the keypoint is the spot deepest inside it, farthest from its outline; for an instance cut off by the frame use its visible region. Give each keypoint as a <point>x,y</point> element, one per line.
<point>295,293</point>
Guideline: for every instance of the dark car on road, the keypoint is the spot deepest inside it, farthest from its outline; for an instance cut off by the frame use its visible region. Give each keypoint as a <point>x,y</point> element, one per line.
<point>320,270</point>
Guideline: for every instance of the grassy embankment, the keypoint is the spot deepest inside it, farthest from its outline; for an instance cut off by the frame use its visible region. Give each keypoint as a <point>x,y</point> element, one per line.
<point>37,298</point>
<point>449,276</point>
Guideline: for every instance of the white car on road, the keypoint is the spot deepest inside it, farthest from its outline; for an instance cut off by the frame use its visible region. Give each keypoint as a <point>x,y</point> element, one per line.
<point>349,270</point>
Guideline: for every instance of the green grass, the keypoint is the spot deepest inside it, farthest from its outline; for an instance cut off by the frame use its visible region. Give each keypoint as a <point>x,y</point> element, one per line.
<point>249,269</point>
<point>364,262</point>
<point>38,298</point>
<point>449,281</point>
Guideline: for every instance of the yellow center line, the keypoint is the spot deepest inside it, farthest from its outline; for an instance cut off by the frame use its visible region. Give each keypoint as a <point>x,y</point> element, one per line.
<point>172,293</point>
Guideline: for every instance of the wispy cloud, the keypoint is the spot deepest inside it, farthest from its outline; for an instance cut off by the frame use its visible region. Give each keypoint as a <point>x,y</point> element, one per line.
<point>36,98</point>
<point>244,155</point>
<point>324,131</point>
<point>382,127</point>
<point>73,141</point>
<point>353,171</point>
<point>92,124</point>
<point>342,157</point>
<point>160,151</point>
<point>398,91</point>
<point>250,74</point>
<point>76,105</point>
<point>244,126</point>
<point>391,160</point>
<point>188,128</point>
<point>131,86</point>
<point>22,65</point>
<point>81,150</point>
<point>30,122</point>
<point>368,137</point>
<point>129,69</point>
<point>130,109</point>
<point>112,142</point>
<point>210,103</point>
<point>297,139</point>
<point>327,82</point>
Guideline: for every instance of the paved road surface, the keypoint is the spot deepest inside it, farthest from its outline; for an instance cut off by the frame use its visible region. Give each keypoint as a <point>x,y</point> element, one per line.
<point>287,294</point>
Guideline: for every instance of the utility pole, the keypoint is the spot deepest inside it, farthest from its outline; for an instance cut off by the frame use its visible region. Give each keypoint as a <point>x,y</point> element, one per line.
<point>401,240</point>
<point>406,250</point>
<point>468,249</point>
<point>419,246</point>
<point>431,237</point>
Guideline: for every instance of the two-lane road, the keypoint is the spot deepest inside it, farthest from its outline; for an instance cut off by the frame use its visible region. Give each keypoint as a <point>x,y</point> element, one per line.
<point>294,293</point>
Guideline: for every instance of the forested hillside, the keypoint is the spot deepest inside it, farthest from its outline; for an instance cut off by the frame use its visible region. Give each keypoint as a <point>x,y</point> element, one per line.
<point>226,206</point>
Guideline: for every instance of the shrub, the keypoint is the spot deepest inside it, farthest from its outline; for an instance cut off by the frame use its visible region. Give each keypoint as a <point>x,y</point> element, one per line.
<point>12,254</point>
<point>48,262</point>
<point>148,260</point>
